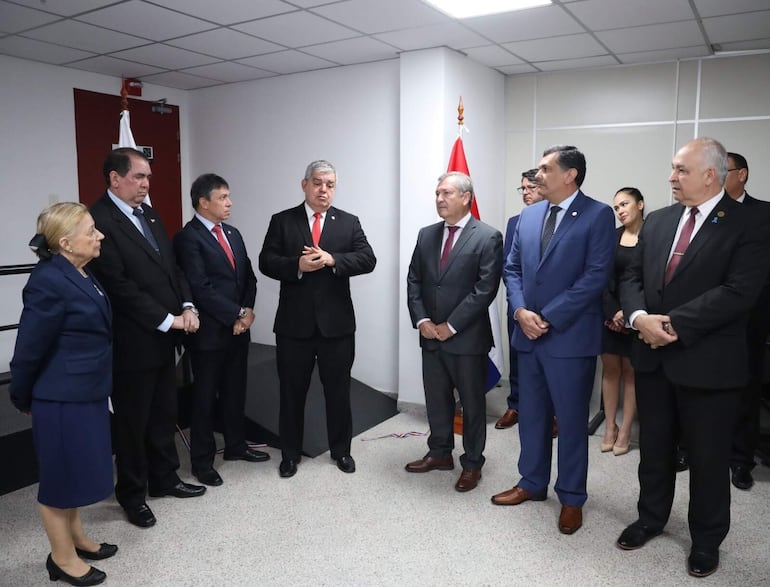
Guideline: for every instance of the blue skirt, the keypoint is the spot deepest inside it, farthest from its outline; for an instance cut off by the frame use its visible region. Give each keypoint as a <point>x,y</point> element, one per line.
<point>74,452</point>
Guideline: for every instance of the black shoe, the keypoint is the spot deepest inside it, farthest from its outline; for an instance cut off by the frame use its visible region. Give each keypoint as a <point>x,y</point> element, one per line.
<point>208,477</point>
<point>141,516</point>
<point>682,462</point>
<point>702,563</point>
<point>636,536</point>
<point>93,577</point>
<point>741,477</point>
<point>287,468</point>
<point>251,455</point>
<point>105,551</point>
<point>346,464</point>
<point>181,489</point>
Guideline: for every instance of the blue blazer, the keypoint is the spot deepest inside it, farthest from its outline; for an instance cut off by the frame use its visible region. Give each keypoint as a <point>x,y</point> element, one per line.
<point>565,286</point>
<point>64,344</point>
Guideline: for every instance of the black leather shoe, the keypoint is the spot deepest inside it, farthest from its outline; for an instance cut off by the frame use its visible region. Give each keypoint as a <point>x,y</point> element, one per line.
<point>105,551</point>
<point>208,477</point>
<point>741,477</point>
<point>701,563</point>
<point>181,489</point>
<point>141,516</point>
<point>682,462</point>
<point>346,464</point>
<point>636,536</point>
<point>287,468</point>
<point>93,577</point>
<point>251,455</point>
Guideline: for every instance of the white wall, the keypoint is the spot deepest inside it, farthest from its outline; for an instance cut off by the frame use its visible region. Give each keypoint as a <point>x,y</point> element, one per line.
<point>261,135</point>
<point>38,158</point>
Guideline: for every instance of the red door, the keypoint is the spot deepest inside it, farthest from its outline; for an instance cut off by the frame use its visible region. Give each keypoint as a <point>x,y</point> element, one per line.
<point>97,123</point>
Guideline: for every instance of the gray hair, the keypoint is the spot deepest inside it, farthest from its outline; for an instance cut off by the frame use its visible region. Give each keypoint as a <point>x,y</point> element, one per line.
<point>713,155</point>
<point>459,180</point>
<point>320,165</point>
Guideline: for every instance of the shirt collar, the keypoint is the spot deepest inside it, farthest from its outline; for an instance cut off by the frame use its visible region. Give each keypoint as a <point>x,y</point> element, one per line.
<point>311,213</point>
<point>462,222</point>
<point>206,222</point>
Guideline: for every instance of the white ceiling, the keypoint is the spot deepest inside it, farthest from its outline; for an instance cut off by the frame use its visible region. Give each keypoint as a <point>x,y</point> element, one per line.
<point>191,44</point>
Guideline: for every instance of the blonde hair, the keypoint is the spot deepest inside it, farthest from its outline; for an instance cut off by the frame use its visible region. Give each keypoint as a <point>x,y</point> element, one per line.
<point>58,221</point>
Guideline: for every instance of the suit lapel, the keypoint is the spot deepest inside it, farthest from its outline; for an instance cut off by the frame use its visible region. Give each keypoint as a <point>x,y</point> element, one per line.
<point>87,286</point>
<point>303,226</point>
<point>209,240</point>
<point>132,232</point>
<point>571,216</point>
<point>465,234</point>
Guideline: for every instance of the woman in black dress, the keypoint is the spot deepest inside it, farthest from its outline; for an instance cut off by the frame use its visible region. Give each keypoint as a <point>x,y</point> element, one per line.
<point>616,362</point>
<point>61,374</point>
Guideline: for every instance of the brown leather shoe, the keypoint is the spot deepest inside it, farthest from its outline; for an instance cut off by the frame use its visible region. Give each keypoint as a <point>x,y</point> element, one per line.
<point>508,419</point>
<point>430,463</point>
<point>515,496</point>
<point>468,480</point>
<point>570,519</point>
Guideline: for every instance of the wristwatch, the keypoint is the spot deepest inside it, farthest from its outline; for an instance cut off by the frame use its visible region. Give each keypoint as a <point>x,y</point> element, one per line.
<point>192,309</point>
<point>242,313</point>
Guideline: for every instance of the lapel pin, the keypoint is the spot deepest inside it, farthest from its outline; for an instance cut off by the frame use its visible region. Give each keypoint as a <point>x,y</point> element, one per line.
<point>574,213</point>
<point>721,214</point>
<point>152,219</point>
<point>333,218</point>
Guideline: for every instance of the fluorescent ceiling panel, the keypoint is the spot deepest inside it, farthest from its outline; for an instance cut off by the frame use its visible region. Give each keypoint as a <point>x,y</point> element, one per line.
<point>466,9</point>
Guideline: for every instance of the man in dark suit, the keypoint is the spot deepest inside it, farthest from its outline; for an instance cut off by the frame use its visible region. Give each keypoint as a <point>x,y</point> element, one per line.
<point>529,195</point>
<point>453,277</point>
<point>688,293</point>
<point>314,249</point>
<point>148,291</point>
<point>746,438</point>
<point>213,256</point>
<point>558,268</point>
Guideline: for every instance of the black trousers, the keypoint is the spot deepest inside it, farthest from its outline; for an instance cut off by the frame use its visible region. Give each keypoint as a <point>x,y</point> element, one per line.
<point>442,373</point>
<point>296,358</point>
<point>746,436</point>
<point>218,375</point>
<point>144,425</point>
<point>705,418</point>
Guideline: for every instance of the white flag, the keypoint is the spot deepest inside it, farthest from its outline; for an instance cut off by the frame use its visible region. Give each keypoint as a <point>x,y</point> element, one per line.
<point>126,139</point>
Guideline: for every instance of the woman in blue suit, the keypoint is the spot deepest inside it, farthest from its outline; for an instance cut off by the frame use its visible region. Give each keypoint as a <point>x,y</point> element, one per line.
<point>61,374</point>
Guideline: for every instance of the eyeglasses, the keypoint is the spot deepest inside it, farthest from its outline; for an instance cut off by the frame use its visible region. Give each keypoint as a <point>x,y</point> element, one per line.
<point>735,169</point>
<point>529,188</point>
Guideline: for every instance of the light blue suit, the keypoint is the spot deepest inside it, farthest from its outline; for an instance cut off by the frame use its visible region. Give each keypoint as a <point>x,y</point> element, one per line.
<point>556,371</point>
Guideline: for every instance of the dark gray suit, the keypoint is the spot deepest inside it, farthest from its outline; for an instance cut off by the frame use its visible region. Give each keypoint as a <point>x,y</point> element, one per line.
<point>459,294</point>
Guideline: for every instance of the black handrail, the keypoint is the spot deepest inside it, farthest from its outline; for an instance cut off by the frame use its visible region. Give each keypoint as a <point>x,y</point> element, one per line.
<point>5,378</point>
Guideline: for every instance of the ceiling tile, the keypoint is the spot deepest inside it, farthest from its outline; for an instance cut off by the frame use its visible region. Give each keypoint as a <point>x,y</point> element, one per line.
<point>533,23</point>
<point>708,8</point>
<point>17,18</point>
<point>746,45</point>
<point>652,37</point>
<point>576,63</point>
<point>491,55</point>
<point>310,3</point>
<point>738,27</point>
<point>228,12</point>
<point>39,51</point>
<point>369,17</point>
<point>165,57</point>
<point>84,36</point>
<point>516,69</point>
<point>297,29</point>
<point>145,20</point>
<point>287,62</point>
<point>664,55</point>
<point>115,67</point>
<point>229,72</point>
<point>182,81</point>
<point>225,44</point>
<point>611,14</point>
<point>67,8</point>
<point>351,51</point>
<point>449,34</point>
<point>568,47</point>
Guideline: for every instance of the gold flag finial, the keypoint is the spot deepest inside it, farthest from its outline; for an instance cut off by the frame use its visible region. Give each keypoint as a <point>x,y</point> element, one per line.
<point>460,110</point>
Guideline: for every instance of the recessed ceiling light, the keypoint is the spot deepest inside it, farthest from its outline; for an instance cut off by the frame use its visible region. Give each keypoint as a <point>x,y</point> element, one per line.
<point>469,8</point>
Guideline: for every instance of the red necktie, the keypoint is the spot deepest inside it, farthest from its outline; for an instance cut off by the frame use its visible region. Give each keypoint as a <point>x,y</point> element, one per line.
<point>448,246</point>
<point>316,232</point>
<point>681,246</point>
<point>223,243</point>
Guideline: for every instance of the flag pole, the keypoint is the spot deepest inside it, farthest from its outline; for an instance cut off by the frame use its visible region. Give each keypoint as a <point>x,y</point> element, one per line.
<point>457,424</point>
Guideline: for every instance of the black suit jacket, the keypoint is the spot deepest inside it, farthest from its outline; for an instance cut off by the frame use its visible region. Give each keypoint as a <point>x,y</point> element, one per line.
<point>319,299</point>
<point>144,286</point>
<point>708,298</point>
<point>759,319</point>
<point>460,293</point>
<point>218,290</point>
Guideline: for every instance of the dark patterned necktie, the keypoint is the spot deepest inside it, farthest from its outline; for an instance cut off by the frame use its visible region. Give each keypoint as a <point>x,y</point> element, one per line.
<point>146,231</point>
<point>550,228</point>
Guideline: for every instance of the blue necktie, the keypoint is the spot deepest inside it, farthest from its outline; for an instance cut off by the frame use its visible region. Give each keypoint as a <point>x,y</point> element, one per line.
<point>146,231</point>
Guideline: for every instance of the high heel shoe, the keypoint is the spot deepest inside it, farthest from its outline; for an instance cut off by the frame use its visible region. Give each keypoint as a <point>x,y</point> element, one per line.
<point>607,446</point>
<point>620,450</point>
<point>93,577</point>
<point>105,551</point>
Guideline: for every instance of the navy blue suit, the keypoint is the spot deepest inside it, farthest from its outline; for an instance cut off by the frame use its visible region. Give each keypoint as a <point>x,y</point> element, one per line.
<point>219,357</point>
<point>513,373</point>
<point>62,372</point>
<point>557,370</point>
